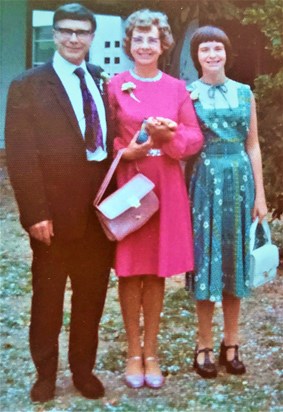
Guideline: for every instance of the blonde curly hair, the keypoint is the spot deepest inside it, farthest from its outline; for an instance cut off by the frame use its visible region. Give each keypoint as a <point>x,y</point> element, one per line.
<point>144,20</point>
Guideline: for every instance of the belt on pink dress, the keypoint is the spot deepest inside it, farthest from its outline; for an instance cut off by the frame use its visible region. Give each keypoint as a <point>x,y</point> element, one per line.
<point>155,152</point>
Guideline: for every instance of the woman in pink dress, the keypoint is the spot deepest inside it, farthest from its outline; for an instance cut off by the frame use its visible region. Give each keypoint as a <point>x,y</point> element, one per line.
<point>163,246</point>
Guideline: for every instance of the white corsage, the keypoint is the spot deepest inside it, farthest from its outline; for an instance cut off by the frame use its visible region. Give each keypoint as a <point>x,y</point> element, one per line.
<point>194,94</point>
<point>128,87</point>
<point>105,77</point>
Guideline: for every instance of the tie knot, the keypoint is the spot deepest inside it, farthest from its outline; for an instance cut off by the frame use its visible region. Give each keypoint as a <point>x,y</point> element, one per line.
<point>80,73</point>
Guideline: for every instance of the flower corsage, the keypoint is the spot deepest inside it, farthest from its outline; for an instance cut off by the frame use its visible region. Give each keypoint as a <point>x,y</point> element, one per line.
<point>194,94</point>
<point>105,77</point>
<point>128,87</point>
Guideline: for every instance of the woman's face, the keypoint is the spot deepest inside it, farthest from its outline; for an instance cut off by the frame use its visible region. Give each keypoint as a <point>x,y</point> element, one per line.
<point>212,56</point>
<point>146,46</point>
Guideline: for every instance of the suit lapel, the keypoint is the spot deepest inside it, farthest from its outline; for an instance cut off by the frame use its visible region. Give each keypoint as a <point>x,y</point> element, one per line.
<point>95,74</point>
<point>59,91</point>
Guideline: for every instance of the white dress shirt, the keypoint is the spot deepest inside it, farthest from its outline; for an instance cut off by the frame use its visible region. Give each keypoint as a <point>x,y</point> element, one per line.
<point>71,83</point>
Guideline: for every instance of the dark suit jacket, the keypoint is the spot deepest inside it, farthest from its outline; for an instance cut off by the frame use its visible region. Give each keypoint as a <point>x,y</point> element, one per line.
<point>46,154</point>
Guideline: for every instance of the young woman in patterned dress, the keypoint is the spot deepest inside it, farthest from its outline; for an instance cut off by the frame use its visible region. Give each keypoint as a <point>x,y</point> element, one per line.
<point>227,192</point>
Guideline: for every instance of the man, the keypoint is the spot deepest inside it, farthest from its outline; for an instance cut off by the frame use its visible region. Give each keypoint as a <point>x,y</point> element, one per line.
<point>56,155</point>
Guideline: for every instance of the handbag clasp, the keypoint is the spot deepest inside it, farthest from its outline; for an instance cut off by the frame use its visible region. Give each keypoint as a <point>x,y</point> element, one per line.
<point>134,201</point>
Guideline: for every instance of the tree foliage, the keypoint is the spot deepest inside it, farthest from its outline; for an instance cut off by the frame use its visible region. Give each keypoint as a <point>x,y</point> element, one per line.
<point>220,9</point>
<point>268,91</point>
<point>268,16</point>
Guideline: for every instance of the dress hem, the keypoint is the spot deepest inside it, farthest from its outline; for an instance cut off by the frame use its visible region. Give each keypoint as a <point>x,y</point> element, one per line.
<point>152,274</point>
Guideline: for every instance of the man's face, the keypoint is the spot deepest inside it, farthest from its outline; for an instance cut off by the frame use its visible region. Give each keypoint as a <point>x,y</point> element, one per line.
<point>73,39</point>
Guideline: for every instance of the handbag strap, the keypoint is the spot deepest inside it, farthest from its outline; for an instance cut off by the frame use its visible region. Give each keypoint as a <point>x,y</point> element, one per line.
<point>266,230</point>
<point>108,177</point>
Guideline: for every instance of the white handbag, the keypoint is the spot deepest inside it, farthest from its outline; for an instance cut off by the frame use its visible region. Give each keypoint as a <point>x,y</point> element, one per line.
<point>263,260</point>
<point>129,207</point>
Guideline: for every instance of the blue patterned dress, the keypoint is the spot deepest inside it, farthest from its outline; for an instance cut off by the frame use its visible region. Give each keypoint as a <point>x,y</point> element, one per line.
<point>222,190</point>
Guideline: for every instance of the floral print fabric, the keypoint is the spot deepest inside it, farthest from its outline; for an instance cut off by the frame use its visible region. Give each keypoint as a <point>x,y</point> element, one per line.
<point>222,191</point>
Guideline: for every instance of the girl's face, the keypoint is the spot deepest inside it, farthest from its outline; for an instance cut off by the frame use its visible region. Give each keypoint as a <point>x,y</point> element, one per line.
<point>212,56</point>
<point>146,46</point>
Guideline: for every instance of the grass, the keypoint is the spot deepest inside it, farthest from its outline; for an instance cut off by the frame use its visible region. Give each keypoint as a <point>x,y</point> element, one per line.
<point>259,390</point>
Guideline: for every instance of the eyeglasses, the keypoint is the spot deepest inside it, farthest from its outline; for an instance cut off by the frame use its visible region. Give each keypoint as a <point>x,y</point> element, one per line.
<point>68,33</point>
<point>151,41</point>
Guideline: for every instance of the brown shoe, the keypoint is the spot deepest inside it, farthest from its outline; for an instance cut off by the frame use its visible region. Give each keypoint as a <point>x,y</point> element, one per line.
<point>90,387</point>
<point>207,370</point>
<point>43,390</point>
<point>234,366</point>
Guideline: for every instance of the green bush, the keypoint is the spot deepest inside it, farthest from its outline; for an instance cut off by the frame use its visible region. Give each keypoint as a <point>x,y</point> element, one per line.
<point>267,15</point>
<point>268,91</point>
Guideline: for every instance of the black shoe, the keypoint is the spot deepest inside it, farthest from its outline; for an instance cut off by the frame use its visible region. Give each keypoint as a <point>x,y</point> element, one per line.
<point>43,390</point>
<point>235,366</point>
<point>208,369</point>
<point>90,387</point>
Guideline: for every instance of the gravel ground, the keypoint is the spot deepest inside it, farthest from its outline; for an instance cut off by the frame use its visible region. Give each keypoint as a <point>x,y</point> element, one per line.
<point>261,335</point>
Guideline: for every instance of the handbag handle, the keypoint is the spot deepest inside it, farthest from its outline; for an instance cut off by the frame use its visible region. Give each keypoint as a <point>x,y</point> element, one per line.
<point>108,177</point>
<point>266,230</point>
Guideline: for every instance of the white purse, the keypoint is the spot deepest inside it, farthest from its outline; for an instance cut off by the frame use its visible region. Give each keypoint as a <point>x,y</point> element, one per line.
<point>263,260</point>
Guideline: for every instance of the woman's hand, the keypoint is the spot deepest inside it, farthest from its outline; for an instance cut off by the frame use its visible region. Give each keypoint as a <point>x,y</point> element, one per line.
<point>136,151</point>
<point>160,129</point>
<point>259,209</point>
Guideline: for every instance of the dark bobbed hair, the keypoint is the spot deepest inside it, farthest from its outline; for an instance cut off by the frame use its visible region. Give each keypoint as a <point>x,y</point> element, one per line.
<point>210,33</point>
<point>74,11</point>
<point>143,20</point>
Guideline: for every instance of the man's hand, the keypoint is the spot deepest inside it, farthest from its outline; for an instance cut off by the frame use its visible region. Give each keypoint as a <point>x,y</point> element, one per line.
<point>42,231</point>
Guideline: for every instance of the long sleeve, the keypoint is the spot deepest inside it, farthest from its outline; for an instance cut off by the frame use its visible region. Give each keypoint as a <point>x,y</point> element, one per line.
<point>188,138</point>
<point>22,156</point>
<point>118,141</point>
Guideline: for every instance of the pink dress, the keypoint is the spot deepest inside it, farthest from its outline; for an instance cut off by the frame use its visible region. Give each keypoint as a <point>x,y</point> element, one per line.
<point>163,246</point>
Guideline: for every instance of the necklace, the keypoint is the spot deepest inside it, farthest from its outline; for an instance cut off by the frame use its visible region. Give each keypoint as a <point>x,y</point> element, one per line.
<point>146,79</point>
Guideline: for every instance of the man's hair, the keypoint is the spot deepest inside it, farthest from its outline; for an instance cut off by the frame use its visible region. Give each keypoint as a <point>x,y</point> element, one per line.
<point>210,33</point>
<point>74,11</point>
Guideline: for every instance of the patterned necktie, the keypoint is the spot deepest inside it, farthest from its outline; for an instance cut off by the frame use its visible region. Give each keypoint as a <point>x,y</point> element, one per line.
<point>93,132</point>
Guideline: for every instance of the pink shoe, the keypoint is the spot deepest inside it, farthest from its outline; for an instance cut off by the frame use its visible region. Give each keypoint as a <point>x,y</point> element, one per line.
<point>153,380</point>
<point>136,380</point>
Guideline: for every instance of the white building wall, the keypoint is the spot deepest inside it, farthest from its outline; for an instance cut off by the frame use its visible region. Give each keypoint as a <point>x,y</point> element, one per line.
<point>106,49</point>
